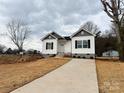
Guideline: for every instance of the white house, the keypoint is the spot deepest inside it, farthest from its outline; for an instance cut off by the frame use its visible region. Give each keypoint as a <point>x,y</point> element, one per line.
<point>110,53</point>
<point>79,44</point>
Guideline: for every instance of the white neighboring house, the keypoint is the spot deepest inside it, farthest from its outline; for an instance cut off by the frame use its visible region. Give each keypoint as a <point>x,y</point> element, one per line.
<point>110,53</point>
<point>79,44</point>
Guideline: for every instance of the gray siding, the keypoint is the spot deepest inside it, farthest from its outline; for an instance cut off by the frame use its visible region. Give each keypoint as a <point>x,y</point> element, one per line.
<point>84,34</point>
<point>49,38</point>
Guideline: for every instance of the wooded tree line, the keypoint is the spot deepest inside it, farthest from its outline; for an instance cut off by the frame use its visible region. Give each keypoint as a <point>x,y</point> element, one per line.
<point>4,50</point>
<point>103,44</point>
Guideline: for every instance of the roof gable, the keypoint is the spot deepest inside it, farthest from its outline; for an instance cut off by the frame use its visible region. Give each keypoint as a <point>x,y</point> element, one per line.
<point>56,35</point>
<point>50,37</point>
<point>82,32</point>
<point>53,35</point>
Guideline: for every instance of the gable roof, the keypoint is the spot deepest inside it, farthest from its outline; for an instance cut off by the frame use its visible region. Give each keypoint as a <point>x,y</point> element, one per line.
<point>56,35</point>
<point>47,36</point>
<point>53,34</point>
<point>80,31</point>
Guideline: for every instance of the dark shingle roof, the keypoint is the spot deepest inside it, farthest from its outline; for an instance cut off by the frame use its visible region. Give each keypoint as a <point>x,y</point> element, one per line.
<point>60,37</point>
<point>67,37</point>
<point>57,35</point>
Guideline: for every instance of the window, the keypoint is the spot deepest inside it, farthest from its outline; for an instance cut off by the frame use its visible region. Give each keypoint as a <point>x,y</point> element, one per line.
<point>49,45</point>
<point>86,43</point>
<point>78,44</point>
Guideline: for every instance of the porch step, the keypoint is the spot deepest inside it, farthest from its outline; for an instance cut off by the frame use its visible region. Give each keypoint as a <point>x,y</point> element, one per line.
<point>60,55</point>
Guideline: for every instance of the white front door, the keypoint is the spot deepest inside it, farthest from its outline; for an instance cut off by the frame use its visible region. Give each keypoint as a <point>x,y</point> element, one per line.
<point>61,48</point>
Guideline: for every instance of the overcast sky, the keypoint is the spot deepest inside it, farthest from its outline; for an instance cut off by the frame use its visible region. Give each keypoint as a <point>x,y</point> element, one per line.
<point>43,16</point>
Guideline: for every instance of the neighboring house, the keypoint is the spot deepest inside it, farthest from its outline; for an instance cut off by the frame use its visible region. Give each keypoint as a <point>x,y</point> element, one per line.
<point>110,53</point>
<point>79,44</point>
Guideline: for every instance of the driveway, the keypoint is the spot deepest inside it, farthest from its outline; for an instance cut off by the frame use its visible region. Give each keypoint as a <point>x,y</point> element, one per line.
<point>77,76</point>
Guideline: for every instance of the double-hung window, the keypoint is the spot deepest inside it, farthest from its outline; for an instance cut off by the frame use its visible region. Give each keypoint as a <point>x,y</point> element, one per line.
<point>82,44</point>
<point>78,44</point>
<point>86,43</point>
<point>49,45</point>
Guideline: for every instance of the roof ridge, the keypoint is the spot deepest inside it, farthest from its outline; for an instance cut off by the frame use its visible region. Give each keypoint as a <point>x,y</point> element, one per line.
<point>57,35</point>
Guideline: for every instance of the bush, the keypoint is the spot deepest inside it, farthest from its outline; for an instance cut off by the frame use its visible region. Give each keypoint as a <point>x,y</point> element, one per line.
<point>67,55</point>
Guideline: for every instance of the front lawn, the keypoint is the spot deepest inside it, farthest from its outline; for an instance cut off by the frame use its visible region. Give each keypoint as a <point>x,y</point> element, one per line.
<point>16,75</point>
<point>110,76</point>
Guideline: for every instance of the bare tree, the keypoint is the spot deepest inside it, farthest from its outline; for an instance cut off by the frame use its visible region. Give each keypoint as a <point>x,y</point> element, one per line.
<point>18,32</point>
<point>110,33</point>
<point>115,10</point>
<point>90,26</point>
<point>113,29</point>
<point>2,47</point>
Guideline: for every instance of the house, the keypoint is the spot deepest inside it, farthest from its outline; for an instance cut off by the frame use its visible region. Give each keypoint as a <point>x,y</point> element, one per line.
<point>110,53</point>
<point>79,44</point>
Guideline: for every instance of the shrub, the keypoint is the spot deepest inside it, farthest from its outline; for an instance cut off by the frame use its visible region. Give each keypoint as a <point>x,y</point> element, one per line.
<point>67,55</point>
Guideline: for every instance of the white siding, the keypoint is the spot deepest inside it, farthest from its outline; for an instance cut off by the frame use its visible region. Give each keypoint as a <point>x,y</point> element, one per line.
<point>110,53</point>
<point>90,50</point>
<point>67,47</point>
<point>53,51</point>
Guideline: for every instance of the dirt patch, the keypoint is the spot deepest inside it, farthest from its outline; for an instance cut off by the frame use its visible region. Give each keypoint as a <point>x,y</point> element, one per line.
<point>13,76</point>
<point>110,76</point>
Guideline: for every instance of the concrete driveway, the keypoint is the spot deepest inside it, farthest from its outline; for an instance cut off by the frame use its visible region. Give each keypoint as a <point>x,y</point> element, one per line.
<point>77,76</point>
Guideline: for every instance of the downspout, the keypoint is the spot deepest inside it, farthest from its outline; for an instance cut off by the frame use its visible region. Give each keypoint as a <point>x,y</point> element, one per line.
<point>71,46</point>
<point>57,47</point>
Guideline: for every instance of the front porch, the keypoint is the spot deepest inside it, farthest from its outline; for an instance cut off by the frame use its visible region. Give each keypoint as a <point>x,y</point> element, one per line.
<point>61,47</point>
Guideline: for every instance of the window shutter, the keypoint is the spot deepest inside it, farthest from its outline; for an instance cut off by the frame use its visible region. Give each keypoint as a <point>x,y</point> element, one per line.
<point>52,46</point>
<point>88,43</point>
<point>76,44</point>
<point>46,46</point>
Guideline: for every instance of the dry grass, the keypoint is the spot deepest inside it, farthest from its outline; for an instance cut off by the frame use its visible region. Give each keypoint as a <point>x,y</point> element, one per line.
<point>110,76</point>
<point>15,75</point>
<point>10,59</point>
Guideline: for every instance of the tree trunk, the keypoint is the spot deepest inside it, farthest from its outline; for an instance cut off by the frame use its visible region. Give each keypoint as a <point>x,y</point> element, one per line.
<point>120,38</point>
<point>121,45</point>
<point>121,53</point>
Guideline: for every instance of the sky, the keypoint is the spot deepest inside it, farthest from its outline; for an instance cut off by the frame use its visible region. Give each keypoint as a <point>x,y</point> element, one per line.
<point>62,16</point>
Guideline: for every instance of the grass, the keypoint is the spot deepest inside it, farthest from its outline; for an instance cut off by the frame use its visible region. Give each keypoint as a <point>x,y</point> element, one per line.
<point>13,76</point>
<point>110,76</point>
<point>10,59</point>
<point>110,73</point>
